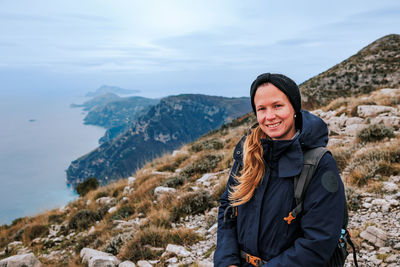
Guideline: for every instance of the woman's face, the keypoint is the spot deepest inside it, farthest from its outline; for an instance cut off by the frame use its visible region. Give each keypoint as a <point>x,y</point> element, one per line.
<point>275,113</point>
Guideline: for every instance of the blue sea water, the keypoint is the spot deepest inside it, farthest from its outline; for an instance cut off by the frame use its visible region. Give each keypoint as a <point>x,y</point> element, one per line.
<point>39,137</point>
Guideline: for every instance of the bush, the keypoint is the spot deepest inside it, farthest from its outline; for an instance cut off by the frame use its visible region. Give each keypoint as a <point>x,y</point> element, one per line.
<point>174,181</point>
<point>192,203</point>
<point>209,144</point>
<point>375,132</point>
<point>205,164</point>
<point>83,219</point>
<point>33,231</point>
<point>123,212</point>
<point>171,167</point>
<point>56,218</point>
<point>86,186</point>
<point>140,246</point>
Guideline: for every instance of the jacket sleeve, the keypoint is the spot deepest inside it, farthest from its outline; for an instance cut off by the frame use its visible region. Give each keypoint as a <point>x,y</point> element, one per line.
<point>322,220</point>
<point>227,251</point>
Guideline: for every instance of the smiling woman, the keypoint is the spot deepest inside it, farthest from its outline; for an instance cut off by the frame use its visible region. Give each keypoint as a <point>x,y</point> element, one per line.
<point>260,220</point>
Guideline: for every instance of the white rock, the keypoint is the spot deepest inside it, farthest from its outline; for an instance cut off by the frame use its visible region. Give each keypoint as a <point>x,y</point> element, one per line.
<point>92,230</point>
<point>127,190</point>
<point>15,244</point>
<point>379,202</point>
<point>113,209</point>
<point>127,264</point>
<point>206,178</point>
<point>367,205</point>
<point>390,187</point>
<point>144,264</point>
<point>27,260</point>
<point>172,260</point>
<point>88,202</point>
<point>205,263</point>
<point>213,229</point>
<point>384,250</point>
<point>103,261</point>
<point>386,120</point>
<point>131,180</point>
<point>354,120</point>
<point>353,129</point>
<point>391,258</point>
<point>394,203</point>
<point>91,256</point>
<point>375,236</point>
<point>106,201</point>
<point>162,190</point>
<point>178,250</point>
<point>373,110</point>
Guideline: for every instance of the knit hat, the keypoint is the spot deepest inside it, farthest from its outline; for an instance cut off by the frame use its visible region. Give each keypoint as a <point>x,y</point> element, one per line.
<point>285,84</point>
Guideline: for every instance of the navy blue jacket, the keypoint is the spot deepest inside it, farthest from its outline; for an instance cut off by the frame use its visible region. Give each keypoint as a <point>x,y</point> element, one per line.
<point>260,229</point>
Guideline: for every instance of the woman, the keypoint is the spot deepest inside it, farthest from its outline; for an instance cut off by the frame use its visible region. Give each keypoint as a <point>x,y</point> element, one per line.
<point>263,192</point>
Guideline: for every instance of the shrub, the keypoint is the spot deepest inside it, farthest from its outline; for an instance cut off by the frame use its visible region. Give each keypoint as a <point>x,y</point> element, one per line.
<point>86,186</point>
<point>342,156</point>
<point>33,231</point>
<point>83,219</point>
<point>171,167</point>
<point>56,218</point>
<point>209,144</point>
<point>124,212</point>
<point>201,166</point>
<point>375,132</point>
<point>174,181</point>
<point>192,203</point>
<point>353,199</point>
<point>140,246</point>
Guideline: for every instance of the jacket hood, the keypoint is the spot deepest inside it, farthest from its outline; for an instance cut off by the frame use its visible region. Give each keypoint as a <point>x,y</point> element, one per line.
<point>286,156</point>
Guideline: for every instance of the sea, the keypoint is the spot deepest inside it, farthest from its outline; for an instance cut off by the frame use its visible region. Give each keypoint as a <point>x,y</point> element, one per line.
<point>39,137</point>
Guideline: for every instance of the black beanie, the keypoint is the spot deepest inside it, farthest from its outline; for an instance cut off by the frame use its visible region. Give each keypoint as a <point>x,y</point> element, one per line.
<point>285,84</point>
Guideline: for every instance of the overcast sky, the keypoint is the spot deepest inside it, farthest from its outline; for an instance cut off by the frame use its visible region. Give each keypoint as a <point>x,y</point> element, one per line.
<point>170,47</point>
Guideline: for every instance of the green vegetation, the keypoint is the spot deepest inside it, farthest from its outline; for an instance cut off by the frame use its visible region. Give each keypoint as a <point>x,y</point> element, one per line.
<point>86,186</point>
<point>375,132</point>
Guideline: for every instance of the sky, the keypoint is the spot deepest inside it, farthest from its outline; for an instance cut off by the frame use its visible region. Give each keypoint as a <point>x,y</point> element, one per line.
<point>165,47</point>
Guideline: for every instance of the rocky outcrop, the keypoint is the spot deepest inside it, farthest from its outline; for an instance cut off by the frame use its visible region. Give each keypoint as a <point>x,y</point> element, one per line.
<point>24,260</point>
<point>95,258</point>
<point>373,67</point>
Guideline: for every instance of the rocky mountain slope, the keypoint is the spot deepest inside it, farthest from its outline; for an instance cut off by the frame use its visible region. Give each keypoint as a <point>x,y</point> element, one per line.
<point>166,214</point>
<point>176,120</point>
<point>373,67</point>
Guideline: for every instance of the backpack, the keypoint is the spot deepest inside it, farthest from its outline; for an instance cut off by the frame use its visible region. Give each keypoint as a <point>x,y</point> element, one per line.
<point>311,160</point>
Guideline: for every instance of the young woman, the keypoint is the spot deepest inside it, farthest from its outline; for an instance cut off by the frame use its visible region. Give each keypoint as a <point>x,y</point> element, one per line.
<point>257,232</point>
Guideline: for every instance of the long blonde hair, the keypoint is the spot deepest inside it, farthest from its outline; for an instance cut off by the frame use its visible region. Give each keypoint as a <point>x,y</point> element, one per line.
<point>253,169</point>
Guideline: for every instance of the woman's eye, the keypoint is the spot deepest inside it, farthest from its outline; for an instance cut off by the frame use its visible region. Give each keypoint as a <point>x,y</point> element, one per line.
<point>278,105</point>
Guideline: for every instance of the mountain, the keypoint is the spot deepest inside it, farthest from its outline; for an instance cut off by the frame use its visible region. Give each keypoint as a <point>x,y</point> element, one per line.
<point>373,67</point>
<point>116,116</point>
<point>111,89</point>
<point>174,121</point>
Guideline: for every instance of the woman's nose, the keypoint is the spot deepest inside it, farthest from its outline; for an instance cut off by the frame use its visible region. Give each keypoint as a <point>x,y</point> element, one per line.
<point>270,115</point>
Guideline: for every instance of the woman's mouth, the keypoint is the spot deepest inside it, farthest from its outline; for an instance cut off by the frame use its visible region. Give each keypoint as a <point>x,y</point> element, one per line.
<point>274,125</point>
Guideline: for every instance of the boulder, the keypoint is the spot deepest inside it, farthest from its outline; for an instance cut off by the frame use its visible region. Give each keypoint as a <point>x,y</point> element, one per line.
<point>353,129</point>
<point>390,187</point>
<point>127,264</point>
<point>375,236</point>
<point>144,264</point>
<point>373,110</point>
<point>95,258</point>
<point>206,178</point>
<point>386,120</point>
<point>178,250</point>
<point>158,191</point>
<point>25,260</point>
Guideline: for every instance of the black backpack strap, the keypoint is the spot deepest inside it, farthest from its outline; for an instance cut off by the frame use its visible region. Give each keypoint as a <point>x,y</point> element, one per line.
<point>311,160</point>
